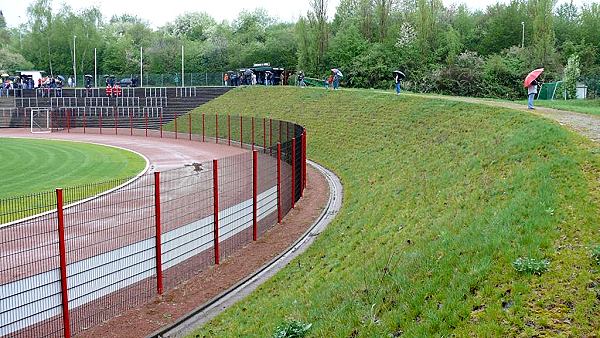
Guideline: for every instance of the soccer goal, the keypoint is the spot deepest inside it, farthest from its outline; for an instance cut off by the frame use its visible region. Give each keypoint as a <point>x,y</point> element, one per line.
<point>40,120</point>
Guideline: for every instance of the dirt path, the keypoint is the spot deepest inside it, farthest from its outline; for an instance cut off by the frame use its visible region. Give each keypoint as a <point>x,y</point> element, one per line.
<point>584,124</point>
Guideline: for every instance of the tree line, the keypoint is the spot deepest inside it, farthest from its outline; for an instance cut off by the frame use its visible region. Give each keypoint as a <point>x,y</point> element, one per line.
<point>444,49</point>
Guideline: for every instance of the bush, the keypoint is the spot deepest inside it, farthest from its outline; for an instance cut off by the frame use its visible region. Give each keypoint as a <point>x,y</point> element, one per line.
<point>292,329</point>
<point>531,265</point>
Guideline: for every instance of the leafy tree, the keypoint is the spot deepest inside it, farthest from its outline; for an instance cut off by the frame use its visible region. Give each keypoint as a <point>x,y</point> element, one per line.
<point>571,74</point>
<point>543,33</point>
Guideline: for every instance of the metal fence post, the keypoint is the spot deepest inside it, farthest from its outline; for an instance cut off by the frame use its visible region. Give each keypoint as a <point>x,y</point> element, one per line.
<point>84,121</point>
<point>252,132</point>
<point>130,123</point>
<point>115,117</point>
<point>159,275</point>
<point>190,125</point>
<point>293,172</point>
<point>216,128</point>
<point>241,132</point>
<point>278,182</point>
<point>63,263</point>
<point>228,129</point>
<point>146,116</point>
<point>254,194</point>
<point>264,134</point>
<point>100,121</point>
<point>160,123</point>
<point>175,125</point>
<point>270,135</point>
<point>203,129</point>
<point>216,209</point>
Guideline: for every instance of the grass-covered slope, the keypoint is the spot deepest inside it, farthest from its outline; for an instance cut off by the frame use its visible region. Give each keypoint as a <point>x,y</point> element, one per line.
<point>440,199</point>
<point>29,166</point>
<point>591,107</point>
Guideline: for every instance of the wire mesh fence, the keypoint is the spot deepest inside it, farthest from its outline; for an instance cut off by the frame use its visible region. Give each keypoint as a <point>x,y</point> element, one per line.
<point>78,256</point>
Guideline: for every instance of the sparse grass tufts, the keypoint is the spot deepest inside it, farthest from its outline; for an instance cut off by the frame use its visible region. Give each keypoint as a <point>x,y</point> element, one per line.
<point>531,265</point>
<point>596,254</point>
<point>292,329</point>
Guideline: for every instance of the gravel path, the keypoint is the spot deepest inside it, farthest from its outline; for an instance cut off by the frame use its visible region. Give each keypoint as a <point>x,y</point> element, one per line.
<point>584,124</point>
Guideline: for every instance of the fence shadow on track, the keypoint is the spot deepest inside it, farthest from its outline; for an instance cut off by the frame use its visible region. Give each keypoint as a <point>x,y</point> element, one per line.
<point>81,264</point>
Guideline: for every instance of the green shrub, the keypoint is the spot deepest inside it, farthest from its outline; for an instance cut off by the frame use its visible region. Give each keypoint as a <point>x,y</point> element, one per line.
<point>531,265</point>
<point>292,329</point>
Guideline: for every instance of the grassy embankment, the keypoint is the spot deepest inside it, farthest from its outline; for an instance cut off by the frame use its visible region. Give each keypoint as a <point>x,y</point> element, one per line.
<point>591,107</point>
<point>31,166</point>
<point>440,199</point>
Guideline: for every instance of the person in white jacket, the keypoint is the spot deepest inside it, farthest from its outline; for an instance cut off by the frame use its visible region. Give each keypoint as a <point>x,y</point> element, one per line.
<point>531,91</point>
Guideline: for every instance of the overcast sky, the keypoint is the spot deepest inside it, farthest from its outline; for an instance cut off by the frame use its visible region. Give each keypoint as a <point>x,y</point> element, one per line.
<point>157,13</point>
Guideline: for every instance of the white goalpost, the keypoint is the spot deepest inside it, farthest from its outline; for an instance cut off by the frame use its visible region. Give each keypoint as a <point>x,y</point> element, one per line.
<point>40,120</point>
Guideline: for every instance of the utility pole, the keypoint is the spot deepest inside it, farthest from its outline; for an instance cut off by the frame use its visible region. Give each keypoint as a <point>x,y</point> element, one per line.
<point>95,69</point>
<point>74,63</point>
<point>523,36</point>
<point>141,67</point>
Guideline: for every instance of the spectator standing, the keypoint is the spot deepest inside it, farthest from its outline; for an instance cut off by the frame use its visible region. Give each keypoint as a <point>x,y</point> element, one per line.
<point>301,79</point>
<point>531,91</point>
<point>70,82</point>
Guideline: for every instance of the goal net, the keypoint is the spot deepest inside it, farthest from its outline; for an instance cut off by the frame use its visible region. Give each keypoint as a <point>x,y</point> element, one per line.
<point>40,120</point>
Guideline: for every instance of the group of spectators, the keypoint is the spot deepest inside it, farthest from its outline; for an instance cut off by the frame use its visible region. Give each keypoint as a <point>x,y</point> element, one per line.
<point>250,78</point>
<point>27,82</point>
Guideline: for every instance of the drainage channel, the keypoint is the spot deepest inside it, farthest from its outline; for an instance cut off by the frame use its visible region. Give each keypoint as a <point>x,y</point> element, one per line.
<point>212,308</point>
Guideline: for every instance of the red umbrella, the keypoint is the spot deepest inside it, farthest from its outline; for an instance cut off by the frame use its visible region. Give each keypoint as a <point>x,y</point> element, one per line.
<point>532,76</point>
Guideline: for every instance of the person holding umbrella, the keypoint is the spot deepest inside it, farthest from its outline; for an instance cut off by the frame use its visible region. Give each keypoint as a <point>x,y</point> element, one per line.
<point>337,75</point>
<point>398,76</point>
<point>531,84</point>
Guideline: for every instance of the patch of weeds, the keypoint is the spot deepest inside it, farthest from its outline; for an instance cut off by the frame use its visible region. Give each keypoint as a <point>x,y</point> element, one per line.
<point>596,254</point>
<point>292,329</point>
<point>531,265</point>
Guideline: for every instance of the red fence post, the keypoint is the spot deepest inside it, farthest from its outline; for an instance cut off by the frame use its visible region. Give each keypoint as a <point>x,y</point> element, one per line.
<point>100,121</point>
<point>293,172</point>
<point>146,116</point>
<point>190,124</point>
<point>159,275</point>
<point>175,125</point>
<point>304,161</point>
<point>68,120</point>
<point>130,123</point>
<point>228,129</point>
<point>280,123</point>
<point>84,121</point>
<point>160,123</point>
<point>264,134</point>
<point>254,194</point>
<point>216,209</point>
<point>270,133</point>
<point>252,132</point>
<point>63,263</point>
<point>116,117</point>
<point>216,128</point>
<point>241,132</point>
<point>203,129</point>
<point>278,182</point>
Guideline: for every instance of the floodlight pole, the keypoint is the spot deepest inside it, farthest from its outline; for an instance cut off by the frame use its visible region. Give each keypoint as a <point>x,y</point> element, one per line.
<point>523,36</point>
<point>74,63</point>
<point>182,69</point>
<point>141,67</point>
<point>95,69</point>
